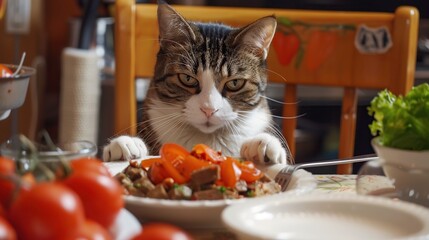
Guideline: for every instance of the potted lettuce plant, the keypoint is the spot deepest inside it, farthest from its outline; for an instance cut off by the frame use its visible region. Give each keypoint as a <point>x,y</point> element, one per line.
<point>401,130</point>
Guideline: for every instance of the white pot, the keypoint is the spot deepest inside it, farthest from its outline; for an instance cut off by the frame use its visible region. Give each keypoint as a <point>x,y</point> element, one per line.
<point>408,170</point>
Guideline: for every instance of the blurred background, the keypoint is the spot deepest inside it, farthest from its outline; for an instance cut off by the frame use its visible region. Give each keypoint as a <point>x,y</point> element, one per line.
<point>44,28</point>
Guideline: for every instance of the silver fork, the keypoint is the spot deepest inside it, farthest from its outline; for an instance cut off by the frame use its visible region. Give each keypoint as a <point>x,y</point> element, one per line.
<point>284,176</point>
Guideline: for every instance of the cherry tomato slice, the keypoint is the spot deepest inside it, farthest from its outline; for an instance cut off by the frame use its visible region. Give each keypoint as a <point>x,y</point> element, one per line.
<point>173,153</point>
<point>206,153</point>
<point>229,172</point>
<point>157,173</point>
<point>249,172</point>
<point>191,164</point>
<point>173,172</point>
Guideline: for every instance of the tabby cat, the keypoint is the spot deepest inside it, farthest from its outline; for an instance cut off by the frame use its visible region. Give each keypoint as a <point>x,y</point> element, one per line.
<point>208,87</point>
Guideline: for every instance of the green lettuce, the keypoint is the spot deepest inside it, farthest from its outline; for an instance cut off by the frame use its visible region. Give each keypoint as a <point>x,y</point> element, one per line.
<point>402,121</point>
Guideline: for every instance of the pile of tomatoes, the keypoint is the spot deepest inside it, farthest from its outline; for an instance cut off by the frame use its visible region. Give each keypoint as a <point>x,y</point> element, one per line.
<point>83,204</point>
<point>177,163</point>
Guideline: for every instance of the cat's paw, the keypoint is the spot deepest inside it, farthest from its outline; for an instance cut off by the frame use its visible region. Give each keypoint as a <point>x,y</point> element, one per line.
<point>124,148</point>
<point>263,148</point>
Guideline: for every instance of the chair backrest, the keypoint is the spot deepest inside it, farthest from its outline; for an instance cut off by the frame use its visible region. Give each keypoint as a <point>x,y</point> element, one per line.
<point>352,50</point>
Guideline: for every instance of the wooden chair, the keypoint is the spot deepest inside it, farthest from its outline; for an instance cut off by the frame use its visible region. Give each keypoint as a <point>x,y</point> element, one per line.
<point>344,66</point>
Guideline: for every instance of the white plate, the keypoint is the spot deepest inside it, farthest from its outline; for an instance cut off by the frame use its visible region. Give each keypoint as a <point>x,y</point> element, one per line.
<point>197,214</point>
<point>327,217</point>
<point>125,226</point>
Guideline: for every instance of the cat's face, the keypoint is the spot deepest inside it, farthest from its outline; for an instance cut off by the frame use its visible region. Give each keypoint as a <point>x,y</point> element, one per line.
<point>213,74</point>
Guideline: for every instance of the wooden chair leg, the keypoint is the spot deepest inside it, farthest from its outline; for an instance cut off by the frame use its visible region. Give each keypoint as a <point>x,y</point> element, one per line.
<point>348,129</point>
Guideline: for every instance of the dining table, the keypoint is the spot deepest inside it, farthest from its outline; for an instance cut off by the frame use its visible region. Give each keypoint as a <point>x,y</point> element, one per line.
<point>345,187</point>
<point>326,184</point>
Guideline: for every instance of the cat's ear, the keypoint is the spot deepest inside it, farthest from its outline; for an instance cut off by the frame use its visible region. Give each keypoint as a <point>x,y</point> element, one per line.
<point>172,26</point>
<point>258,35</point>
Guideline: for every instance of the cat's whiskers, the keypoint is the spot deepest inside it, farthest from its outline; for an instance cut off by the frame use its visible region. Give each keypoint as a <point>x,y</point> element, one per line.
<point>276,73</point>
<point>123,131</point>
<point>292,117</point>
<point>280,102</point>
<point>164,124</point>
<point>232,128</point>
<point>174,127</point>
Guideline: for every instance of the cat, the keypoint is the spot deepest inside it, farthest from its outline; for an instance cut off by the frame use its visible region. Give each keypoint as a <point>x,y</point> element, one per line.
<point>208,87</point>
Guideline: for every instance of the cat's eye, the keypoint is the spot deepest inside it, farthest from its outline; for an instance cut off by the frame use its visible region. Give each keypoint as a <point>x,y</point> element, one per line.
<point>187,80</point>
<point>235,85</point>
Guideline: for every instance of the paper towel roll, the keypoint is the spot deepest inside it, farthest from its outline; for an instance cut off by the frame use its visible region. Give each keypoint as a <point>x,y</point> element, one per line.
<point>80,95</point>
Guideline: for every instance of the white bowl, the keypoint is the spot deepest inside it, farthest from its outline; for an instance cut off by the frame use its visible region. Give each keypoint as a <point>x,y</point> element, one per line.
<point>336,216</point>
<point>197,214</point>
<point>405,158</point>
<point>407,170</point>
<point>13,90</point>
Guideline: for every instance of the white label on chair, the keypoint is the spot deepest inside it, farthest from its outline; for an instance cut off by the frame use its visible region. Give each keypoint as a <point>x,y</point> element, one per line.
<point>373,40</point>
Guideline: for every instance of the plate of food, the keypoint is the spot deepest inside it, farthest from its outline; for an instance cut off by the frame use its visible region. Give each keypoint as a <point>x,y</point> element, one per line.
<point>191,189</point>
<point>321,216</point>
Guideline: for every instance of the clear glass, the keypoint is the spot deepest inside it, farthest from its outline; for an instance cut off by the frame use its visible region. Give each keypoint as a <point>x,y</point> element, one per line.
<point>29,159</point>
<point>379,178</point>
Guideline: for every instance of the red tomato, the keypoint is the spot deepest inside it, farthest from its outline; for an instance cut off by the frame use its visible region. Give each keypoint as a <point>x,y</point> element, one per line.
<point>157,173</point>
<point>172,159</point>
<point>249,172</point>
<point>5,71</point>
<point>6,230</point>
<point>204,152</point>
<point>101,195</point>
<point>162,231</point>
<point>2,212</point>
<point>173,172</point>
<point>173,153</point>
<point>47,211</point>
<point>286,46</point>
<point>229,172</point>
<point>89,164</point>
<point>191,164</point>
<point>91,230</point>
<point>7,171</point>
<point>319,47</point>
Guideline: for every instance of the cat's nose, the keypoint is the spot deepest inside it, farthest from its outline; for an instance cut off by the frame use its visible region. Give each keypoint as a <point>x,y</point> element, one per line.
<point>208,111</point>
